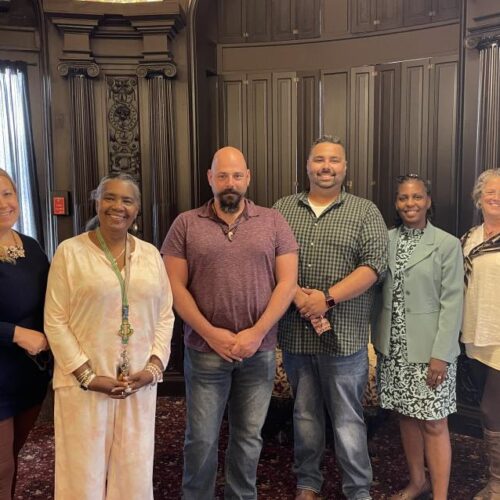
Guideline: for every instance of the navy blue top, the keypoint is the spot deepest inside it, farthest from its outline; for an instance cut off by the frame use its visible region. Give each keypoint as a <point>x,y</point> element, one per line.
<point>22,295</point>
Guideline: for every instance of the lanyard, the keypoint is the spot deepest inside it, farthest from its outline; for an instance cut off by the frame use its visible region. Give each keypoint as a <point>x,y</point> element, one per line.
<point>126,329</point>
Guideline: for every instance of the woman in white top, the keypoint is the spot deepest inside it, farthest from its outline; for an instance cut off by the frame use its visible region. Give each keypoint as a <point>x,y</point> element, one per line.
<point>481,323</point>
<point>108,319</point>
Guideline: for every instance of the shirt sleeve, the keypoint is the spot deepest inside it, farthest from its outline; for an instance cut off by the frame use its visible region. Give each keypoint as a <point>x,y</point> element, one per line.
<point>64,345</point>
<point>175,241</point>
<point>374,242</point>
<point>165,324</point>
<point>6,333</point>
<point>451,300</point>
<point>285,239</point>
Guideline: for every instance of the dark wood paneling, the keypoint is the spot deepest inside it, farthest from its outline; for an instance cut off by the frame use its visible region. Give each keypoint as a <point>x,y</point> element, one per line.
<point>307,14</point>
<point>259,137</point>
<point>361,131</point>
<point>445,9</point>
<point>389,14</point>
<point>283,19</point>
<point>363,14</point>
<point>386,140</point>
<point>258,20</point>
<point>416,12</point>
<point>335,104</point>
<point>234,111</point>
<point>441,157</point>
<point>414,117</point>
<point>284,134</point>
<point>335,17</point>
<point>230,14</point>
<point>307,121</point>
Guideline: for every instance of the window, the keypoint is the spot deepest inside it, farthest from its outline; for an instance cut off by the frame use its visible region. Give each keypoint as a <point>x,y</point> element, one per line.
<point>16,146</point>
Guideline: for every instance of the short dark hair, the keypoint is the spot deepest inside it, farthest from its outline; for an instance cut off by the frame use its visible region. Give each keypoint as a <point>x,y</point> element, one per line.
<point>332,139</point>
<point>401,179</point>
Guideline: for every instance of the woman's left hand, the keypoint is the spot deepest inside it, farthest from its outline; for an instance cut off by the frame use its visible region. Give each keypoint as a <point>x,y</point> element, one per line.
<point>436,372</point>
<point>138,380</point>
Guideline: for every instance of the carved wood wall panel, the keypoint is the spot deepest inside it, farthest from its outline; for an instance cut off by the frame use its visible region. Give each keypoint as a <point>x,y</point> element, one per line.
<point>83,141</point>
<point>123,126</point>
<point>162,155</point>
<point>488,141</point>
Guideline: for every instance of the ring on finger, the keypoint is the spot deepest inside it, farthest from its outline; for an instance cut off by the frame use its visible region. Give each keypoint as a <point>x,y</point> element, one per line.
<point>128,390</point>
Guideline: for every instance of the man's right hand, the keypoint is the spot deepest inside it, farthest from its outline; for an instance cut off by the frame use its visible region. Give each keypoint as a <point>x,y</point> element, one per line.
<point>222,342</point>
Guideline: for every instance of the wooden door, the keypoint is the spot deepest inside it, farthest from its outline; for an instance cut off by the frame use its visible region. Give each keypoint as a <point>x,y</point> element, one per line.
<point>284,167</point>
<point>307,121</point>
<point>414,117</point>
<point>386,136</point>
<point>282,19</point>
<point>442,142</point>
<point>257,20</point>
<point>307,16</point>
<point>230,15</point>
<point>446,9</point>
<point>417,12</point>
<point>389,14</point>
<point>259,149</point>
<point>363,14</point>
<point>233,119</point>
<point>360,157</point>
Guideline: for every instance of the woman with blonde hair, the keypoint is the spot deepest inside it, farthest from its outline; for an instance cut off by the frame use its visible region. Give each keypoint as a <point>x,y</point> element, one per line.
<point>481,323</point>
<point>24,367</point>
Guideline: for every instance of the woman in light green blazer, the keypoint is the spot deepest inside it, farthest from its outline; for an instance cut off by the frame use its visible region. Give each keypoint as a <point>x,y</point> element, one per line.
<point>416,325</point>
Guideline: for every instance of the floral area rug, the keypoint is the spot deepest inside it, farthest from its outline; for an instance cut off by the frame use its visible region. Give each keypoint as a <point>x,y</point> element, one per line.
<point>275,477</point>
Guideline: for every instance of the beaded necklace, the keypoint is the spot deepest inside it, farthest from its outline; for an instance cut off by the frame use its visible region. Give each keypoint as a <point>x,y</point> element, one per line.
<point>15,251</point>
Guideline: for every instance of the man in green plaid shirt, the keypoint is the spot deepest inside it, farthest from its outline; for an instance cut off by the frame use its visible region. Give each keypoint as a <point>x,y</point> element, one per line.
<point>324,334</point>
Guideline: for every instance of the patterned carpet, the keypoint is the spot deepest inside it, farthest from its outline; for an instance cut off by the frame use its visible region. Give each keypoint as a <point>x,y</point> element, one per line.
<point>275,477</point>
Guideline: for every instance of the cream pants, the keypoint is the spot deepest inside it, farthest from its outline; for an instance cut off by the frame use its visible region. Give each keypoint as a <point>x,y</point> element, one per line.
<point>104,446</point>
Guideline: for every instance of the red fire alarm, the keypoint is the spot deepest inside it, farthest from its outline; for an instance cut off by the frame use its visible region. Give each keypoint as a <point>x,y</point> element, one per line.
<point>60,203</point>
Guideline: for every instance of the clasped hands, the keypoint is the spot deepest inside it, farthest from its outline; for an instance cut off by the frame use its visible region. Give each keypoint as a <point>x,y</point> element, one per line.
<point>234,346</point>
<point>121,389</point>
<point>311,304</point>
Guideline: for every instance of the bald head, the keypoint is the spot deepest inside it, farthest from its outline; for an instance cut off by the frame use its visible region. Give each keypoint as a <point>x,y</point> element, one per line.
<point>229,178</point>
<point>226,156</point>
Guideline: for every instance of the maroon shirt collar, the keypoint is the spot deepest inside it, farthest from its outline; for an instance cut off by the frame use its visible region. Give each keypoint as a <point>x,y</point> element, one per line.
<point>249,210</point>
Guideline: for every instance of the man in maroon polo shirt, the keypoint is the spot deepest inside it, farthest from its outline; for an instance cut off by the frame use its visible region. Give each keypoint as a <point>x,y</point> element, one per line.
<point>233,270</point>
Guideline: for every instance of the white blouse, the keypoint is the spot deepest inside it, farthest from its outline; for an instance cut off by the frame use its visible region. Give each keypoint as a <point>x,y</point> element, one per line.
<point>481,321</point>
<point>83,309</point>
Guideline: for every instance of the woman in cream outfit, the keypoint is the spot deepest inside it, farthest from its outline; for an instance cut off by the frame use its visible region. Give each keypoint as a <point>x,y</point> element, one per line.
<point>481,324</point>
<point>104,424</point>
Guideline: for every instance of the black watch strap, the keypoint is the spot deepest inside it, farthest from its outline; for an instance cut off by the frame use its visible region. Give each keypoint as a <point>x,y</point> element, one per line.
<point>330,301</point>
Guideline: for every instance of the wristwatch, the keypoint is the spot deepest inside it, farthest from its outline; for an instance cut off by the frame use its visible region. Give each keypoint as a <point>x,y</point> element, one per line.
<point>330,301</point>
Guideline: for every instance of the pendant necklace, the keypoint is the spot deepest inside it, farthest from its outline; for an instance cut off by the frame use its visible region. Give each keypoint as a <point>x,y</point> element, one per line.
<point>230,231</point>
<point>126,330</point>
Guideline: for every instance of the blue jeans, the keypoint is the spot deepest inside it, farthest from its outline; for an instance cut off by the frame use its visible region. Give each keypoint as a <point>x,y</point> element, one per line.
<point>246,387</point>
<point>337,382</point>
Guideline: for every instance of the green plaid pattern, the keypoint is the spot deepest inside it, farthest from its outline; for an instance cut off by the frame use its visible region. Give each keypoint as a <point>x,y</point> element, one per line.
<point>349,233</point>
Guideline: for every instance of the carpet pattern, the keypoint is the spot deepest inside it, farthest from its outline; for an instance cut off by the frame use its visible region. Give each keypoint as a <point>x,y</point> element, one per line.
<point>275,477</point>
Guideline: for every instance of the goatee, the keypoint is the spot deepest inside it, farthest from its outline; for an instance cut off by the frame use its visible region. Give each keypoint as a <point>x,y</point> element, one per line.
<point>229,201</point>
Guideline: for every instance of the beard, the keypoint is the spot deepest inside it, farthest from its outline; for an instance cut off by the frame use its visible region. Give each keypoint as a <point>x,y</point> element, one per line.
<point>229,201</point>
